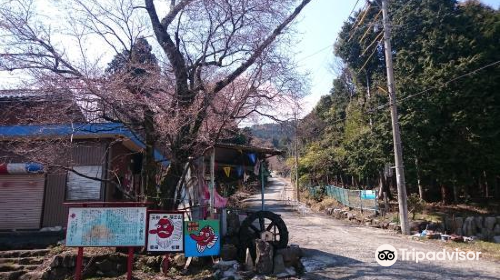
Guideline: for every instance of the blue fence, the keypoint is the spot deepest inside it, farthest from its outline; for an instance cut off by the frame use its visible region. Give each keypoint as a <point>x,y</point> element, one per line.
<point>361,199</point>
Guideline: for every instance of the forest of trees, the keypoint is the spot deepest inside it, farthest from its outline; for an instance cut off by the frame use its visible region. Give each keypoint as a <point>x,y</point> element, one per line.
<point>447,69</point>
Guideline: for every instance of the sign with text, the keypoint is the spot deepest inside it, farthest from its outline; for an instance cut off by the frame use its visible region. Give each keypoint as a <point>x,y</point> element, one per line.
<point>106,227</point>
<point>165,232</point>
<point>369,194</point>
<point>202,238</point>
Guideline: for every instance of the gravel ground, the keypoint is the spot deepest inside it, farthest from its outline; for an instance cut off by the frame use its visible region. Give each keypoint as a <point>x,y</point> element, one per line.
<point>335,249</point>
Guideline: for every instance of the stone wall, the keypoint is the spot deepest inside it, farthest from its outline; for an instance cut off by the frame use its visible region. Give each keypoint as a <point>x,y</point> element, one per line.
<point>484,228</point>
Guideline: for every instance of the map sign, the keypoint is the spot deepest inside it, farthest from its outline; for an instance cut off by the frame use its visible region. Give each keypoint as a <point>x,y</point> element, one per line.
<point>106,227</point>
<point>165,232</point>
<point>202,238</point>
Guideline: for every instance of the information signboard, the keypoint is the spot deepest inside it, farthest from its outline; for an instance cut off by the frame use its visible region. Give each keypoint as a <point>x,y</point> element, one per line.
<point>106,227</point>
<point>165,232</point>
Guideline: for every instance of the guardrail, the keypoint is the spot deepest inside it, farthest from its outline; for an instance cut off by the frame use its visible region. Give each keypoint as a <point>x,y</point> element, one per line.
<point>361,199</point>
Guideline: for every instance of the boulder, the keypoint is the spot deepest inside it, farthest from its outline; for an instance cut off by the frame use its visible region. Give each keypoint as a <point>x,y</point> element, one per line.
<point>289,272</point>
<point>392,226</point>
<point>264,257</point>
<point>489,223</point>
<point>249,263</point>
<point>56,261</point>
<point>179,260</point>
<point>469,227</point>
<point>418,225</point>
<point>350,216</point>
<point>106,266</point>
<point>228,252</point>
<point>291,255</point>
<point>496,230</point>
<point>479,222</point>
<point>279,264</point>
<point>434,226</point>
<point>69,260</point>
<point>375,223</point>
<point>337,213</point>
<point>496,239</point>
<point>458,224</point>
<point>227,265</point>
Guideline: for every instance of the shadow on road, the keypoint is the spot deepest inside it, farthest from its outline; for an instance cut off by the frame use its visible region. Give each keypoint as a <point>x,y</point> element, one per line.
<point>400,270</point>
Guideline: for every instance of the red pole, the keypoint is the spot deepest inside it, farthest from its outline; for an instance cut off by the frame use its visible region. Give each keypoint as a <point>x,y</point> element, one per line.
<point>130,262</point>
<point>166,264</point>
<point>79,260</point>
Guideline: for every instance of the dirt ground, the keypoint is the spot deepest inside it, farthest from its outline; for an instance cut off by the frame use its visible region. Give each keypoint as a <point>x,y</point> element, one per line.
<point>336,249</point>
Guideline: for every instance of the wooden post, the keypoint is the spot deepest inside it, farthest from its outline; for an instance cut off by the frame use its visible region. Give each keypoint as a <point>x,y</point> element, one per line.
<point>130,262</point>
<point>166,264</point>
<point>79,261</point>
<point>386,204</point>
<point>262,182</point>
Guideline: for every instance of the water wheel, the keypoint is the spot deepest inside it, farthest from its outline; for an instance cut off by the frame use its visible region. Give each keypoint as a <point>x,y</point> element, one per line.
<point>262,225</point>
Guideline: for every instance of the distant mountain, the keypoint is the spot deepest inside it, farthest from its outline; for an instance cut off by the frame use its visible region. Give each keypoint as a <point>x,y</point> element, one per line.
<point>279,135</point>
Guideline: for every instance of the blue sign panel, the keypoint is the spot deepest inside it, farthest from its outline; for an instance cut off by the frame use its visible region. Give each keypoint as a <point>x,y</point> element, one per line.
<point>370,194</point>
<point>106,227</point>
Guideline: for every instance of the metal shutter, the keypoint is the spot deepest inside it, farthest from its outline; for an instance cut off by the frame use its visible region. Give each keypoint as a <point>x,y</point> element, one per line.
<point>21,199</point>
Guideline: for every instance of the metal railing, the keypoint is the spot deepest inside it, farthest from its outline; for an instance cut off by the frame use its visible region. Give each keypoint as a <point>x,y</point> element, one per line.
<point>361,199</point>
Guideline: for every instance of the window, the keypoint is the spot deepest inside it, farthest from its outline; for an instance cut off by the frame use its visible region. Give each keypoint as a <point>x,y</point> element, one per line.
<point>83,188</point>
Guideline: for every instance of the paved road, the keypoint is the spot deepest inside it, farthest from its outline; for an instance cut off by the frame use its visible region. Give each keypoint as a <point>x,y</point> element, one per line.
<point>335,249</point>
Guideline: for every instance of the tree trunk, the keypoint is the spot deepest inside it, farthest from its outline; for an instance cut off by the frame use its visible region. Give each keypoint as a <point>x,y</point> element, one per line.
<point>444,197</point>
<point>149,166</point>
<point>486,185</point>
<point>168,184</point>
<point>497,189</point>
<point>419,180</point>
<point>385,185</point>
<point>455,191</point>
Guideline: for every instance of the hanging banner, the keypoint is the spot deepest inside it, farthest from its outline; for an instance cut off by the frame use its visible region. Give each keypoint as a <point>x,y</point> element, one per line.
<point>253,157</point>
<point>227,170</point>
<point>202,238</point>
<point>165,232</point>
<point>256,168</point>
<point>239,171</point>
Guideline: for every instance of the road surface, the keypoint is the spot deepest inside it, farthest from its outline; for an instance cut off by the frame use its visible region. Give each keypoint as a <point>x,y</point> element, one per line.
<point>335,249</point>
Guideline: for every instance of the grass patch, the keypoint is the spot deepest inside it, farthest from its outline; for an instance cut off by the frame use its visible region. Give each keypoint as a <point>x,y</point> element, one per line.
<point>488,250</point>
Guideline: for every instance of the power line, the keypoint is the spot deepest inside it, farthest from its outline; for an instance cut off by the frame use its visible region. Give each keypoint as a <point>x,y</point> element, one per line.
<point>426,90</point>
<point>445,83</point>
<point>315,53</point>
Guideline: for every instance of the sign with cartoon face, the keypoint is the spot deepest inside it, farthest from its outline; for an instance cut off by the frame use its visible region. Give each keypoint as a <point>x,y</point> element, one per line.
<point>202,238</point>
<point>165,232</point>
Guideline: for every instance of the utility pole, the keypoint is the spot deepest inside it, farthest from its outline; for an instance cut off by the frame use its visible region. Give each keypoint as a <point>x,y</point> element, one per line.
<point>398,152</point>
<point>296,155</point>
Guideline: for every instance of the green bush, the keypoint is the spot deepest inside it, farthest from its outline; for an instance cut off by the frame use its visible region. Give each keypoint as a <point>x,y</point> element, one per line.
<point>415,205</point>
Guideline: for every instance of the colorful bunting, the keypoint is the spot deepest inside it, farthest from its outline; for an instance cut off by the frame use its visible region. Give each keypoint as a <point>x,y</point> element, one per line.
<point>239,171</point>
<point>256,168</point>
<point>253,157</point>
<point>227,170</point>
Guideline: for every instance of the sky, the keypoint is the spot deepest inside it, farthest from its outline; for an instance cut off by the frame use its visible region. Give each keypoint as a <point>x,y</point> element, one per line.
<point>320,22</point>
<point>318,26</point>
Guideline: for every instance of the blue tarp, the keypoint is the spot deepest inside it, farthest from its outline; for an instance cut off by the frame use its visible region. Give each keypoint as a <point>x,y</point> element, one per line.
<point>94,129</point>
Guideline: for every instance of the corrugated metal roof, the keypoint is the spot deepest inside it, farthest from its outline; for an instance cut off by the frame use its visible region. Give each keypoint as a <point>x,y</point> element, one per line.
<point>92,130</point>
